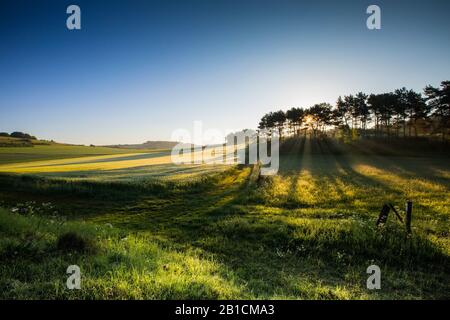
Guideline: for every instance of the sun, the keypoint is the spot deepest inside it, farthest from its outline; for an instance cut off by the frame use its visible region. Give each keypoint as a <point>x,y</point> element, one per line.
<point>308,119</point>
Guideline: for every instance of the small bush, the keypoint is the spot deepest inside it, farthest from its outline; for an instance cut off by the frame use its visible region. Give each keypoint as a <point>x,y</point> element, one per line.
<point>71,241</point>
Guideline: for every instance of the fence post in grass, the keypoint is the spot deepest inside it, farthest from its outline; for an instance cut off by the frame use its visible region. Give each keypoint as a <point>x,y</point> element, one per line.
<point>203,154</point>
<point>408,216</point>
<point>382,218</point>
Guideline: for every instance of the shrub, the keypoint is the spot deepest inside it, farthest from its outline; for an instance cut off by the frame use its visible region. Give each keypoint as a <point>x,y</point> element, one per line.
<point>21,135</point>
<point>71,241</point>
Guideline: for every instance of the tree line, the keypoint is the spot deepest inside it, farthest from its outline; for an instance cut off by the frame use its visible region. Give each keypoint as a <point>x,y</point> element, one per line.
<point>17,134</point>
<point>402,112</point>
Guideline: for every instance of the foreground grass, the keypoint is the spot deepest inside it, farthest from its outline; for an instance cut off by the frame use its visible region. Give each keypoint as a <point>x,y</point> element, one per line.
<point>121,266</point>
<point>307,233</point>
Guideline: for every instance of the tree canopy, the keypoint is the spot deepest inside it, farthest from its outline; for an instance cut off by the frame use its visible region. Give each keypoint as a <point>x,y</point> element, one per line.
<point>400,112</point>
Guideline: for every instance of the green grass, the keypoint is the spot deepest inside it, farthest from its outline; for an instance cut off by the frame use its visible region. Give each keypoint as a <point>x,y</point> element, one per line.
<point>307,233</point>
<point>54,151</point>
<point>78,163</point>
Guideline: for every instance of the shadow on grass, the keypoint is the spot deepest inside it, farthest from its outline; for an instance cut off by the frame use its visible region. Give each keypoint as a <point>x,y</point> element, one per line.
<point>270,255</point>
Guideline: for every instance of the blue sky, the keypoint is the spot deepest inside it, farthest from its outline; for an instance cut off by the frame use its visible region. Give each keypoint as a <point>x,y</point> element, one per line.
<point>138,70</point>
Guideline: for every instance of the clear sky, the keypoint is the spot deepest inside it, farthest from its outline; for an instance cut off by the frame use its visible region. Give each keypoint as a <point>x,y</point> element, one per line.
<point>138,70</point>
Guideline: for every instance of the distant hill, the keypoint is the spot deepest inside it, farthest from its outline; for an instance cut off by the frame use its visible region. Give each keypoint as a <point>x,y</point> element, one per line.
<point>147,145</point>
<point>20,139</point>
<point>18,142</point>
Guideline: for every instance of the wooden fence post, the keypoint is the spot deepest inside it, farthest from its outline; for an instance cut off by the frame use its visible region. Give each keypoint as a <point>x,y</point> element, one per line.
<point>382,218</point>
<point>408,216</point>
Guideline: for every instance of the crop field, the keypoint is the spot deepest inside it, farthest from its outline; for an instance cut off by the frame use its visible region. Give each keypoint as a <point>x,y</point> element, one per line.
<point>98,163</point>
<point>146,228</point>
<point>52,151</point>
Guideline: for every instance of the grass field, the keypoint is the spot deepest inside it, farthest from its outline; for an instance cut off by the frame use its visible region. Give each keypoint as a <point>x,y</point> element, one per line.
<point>54,151</point>
<point>307,233</point>
<point>98,163</point>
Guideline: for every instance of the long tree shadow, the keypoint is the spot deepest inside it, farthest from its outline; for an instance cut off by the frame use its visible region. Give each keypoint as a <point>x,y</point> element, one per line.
<point>329,173</point>
<point>271,255</point>
<point>265,252</point>
<point>263,244</point>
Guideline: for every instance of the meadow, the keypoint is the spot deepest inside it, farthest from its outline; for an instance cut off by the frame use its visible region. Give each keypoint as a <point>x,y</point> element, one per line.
<point>81,163</point>
<point>145,228</point>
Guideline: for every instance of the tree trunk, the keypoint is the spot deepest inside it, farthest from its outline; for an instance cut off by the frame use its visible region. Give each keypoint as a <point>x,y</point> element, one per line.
<point>404,127</point>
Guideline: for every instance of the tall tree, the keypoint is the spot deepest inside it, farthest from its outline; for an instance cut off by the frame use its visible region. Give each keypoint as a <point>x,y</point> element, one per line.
<point>400,109</point>
<point>361,110</point>
<point>350,105</point>
<point>295,119</point>
<point>439,101</point>
<point>342,112</point>
<point>267,123</point>
<point>320,116</point>
<point>388,110</point>
<point>417,109</point>
<point>279,119</point>
<point>375,105</point>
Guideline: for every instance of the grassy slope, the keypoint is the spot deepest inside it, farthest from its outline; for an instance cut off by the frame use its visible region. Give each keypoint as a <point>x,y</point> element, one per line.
<point>306,233</point>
